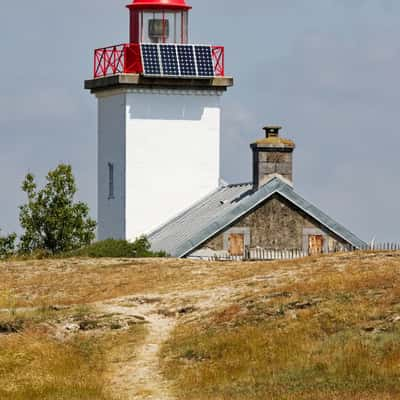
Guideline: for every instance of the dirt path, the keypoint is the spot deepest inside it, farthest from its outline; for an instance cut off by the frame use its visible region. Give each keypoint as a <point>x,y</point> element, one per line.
<point>138,377</point>
<point>148,382</point>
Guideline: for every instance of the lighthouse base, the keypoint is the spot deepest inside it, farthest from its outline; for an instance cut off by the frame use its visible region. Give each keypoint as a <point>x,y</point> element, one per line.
<point>158,154</point>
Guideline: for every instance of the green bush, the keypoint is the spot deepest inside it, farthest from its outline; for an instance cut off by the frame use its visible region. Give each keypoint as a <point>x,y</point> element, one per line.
<point>118,248</point>
<point>52,221</point>
<point>7,245</point>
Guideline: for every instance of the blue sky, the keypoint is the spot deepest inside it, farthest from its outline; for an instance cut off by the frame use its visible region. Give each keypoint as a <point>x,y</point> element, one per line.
<point>327,70</point>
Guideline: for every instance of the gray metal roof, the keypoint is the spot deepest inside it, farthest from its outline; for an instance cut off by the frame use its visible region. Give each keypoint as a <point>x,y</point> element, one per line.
<point>189,230</point>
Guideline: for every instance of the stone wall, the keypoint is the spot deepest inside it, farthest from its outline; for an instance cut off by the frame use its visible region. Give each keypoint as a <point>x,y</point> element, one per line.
<point>276,224</point>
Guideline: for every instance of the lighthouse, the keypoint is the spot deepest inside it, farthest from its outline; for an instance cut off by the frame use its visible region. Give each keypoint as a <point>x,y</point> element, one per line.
<point>159,120</point>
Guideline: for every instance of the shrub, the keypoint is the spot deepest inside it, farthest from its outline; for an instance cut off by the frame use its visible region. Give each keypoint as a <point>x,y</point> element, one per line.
<point>7,245</point>
<point>118,249</point>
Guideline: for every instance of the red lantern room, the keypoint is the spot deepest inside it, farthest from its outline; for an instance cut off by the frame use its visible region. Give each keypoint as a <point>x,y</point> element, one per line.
<point>159,46</point>
<point>159,21</point>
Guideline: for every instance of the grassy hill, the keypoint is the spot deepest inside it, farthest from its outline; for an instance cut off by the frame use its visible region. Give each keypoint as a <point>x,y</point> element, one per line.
<point>317,328</point>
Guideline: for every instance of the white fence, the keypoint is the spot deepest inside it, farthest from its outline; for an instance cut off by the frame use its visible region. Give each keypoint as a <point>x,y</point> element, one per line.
<point>262,254</point>
<point>259,254</point>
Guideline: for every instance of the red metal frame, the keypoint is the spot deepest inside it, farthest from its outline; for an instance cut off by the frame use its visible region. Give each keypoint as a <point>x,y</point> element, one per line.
<point>127,59</point>
<point>133,59</point>
<point>118,59</point>
<point>218,54</point>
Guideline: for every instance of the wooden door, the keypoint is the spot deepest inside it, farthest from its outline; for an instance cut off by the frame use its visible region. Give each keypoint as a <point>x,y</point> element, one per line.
<point>315,244</point>
<point>236,244</point>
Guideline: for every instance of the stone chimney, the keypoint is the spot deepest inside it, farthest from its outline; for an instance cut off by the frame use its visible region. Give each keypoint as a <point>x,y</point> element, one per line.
<point>272,156</point>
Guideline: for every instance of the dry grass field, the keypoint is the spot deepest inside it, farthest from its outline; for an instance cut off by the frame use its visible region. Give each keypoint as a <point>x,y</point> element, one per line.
<point>317,328</point>
<point>331,330</point>
<point>49,354</point>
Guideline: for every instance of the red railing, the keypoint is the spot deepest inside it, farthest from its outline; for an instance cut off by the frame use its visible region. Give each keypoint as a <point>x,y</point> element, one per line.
<point>119,59</point>
<point>218,54</point>
<point>126,59</point>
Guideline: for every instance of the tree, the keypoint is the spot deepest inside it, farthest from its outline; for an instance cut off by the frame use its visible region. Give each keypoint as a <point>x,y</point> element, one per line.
<point>7,245</point>
<point>50,219</point>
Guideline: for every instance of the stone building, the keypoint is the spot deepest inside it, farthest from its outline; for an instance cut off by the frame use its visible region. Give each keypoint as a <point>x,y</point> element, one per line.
<point>266,213</point>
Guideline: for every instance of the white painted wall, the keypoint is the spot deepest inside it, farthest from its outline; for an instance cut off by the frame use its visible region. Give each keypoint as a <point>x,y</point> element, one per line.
<point>167,145</point>
<point>111,149</point>
<point>173,154</point>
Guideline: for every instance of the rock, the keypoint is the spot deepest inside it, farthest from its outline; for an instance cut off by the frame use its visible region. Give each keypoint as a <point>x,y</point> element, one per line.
<point>187,310</point>
<point>152,300</point>
<point>167,313</point>
<point>374,327</point>
<point>301,305</point>
<point>298,305</point>
<point>57,308</point>
<point>276,295</point>
<point>11,326</point>
<point>116,326</point>
<point>88,325</point>
<point>145,300</point>
<point>139,317</point>
<point>368,328</point>
<point>71,327</point>
<point>109,315</point>
<point>264,277</point>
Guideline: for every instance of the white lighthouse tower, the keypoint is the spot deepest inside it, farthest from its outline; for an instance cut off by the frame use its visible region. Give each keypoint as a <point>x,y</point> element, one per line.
<point>159,120</point>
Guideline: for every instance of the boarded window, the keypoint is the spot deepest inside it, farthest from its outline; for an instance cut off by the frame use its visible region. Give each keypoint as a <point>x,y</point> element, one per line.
<point>236,244</point>
<point>315,244</point>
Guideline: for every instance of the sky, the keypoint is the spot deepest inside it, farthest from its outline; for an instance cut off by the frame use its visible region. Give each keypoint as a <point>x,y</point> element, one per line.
<point>326,70</point>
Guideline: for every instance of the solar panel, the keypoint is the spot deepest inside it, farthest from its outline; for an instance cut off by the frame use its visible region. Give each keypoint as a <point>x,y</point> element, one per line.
<point>204,61</point>
<point>186,60</point>
<point>151,60</point>
<point>177,60</point>
<point>169,60</point>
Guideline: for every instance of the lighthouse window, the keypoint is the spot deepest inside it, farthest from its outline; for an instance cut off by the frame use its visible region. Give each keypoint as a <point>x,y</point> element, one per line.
<point>110,180</point>
<point>160,27</point>
<point>158,30</point>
